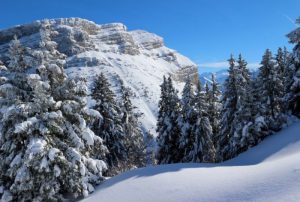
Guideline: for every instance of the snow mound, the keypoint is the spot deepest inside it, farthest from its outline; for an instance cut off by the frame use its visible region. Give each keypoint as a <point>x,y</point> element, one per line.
<point>267,172</point>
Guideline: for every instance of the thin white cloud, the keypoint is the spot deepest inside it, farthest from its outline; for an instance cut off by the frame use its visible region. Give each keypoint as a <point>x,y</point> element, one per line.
<point>224,64</point>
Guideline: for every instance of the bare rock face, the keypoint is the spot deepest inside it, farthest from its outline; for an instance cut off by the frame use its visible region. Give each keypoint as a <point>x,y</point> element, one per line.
<point>116,34</point>
<point>147,40</point>
<point>183,73</point>
<point>73,35</point>
<point>139,58</point>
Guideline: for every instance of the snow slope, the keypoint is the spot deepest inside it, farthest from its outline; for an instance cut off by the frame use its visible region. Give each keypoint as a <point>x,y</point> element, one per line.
<point>267,172</point>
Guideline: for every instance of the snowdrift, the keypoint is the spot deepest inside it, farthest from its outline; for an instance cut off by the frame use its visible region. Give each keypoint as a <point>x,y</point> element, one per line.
<point>267,172</point>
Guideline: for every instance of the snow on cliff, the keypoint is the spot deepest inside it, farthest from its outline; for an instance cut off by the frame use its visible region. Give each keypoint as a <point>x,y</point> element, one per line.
<point>139,58</point>
<point>267,172</point>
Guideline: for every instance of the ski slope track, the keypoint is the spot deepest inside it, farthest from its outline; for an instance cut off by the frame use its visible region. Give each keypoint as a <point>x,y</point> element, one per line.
<point>267,172</point>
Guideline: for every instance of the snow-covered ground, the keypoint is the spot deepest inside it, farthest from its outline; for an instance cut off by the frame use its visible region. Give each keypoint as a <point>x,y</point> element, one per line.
<point>267,172</point>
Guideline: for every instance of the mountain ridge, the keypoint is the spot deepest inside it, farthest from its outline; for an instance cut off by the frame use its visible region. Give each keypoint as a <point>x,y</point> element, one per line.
<point>137,57</point>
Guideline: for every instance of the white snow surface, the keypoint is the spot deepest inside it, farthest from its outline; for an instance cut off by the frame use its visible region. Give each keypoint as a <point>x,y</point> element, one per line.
<point>267,172</point>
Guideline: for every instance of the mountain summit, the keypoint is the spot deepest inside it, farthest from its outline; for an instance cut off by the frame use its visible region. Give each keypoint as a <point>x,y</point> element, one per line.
<point>138,58</point>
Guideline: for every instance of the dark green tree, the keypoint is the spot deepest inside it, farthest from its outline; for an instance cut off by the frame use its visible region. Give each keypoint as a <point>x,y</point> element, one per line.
<point>168,126</point>
<point>109,127</point>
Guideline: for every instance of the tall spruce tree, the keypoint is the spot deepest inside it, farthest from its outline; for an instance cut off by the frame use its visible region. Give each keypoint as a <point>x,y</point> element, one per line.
<point>282,61</point>
<point>270,90</point>
<point>244,117</point>
<point>109,127</point>
<point>203,149</point>
<point>134,141</point>
<point>45,143</point>
<point>168,126</point>
<point>187,121</point>
<point>260,128</point>
<point>293,92</point>
<point>214,109</point>
<point>228,112</point>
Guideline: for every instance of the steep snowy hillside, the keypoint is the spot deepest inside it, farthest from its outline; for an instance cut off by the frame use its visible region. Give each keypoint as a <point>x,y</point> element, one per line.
<point>267,172</point>
<point>139,58</point>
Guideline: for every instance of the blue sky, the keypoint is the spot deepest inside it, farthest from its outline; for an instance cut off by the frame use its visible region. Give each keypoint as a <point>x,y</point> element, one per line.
<point>207,31</point>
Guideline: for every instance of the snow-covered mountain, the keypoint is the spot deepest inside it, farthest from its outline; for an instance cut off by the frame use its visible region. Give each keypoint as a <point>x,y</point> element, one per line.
<point>137,57</point>
<point>267,172</point>
<point>220,76</point>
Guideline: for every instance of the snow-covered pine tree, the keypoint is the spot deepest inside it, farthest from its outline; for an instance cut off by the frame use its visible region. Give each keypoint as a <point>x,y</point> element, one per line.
<point>163,152</point>
<point>11,92</point>
<point>259,129</point>
<point>270,89</point>
<point>168,126</point>
<point>287,60</point>
<point>202,149</point>
<point>187,100</point>
<point>187,121</point>
<point>293,96</point>
<point>45,144</point>
<point>288,79</point>
<point>13,76</point>
<point>281,69</point>
<point>134,140</point>
<point>214,109</point>
<point>282,61</point>
<point>242,82</point>
<point>109,127</point>
<point>228,112</point>
<point>244,117</point>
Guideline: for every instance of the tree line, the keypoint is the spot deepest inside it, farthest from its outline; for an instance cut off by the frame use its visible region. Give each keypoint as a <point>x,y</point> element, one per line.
<point>207,125</point>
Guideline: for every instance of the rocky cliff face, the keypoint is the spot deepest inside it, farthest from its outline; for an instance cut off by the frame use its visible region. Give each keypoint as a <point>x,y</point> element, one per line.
<point>139,58</point>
